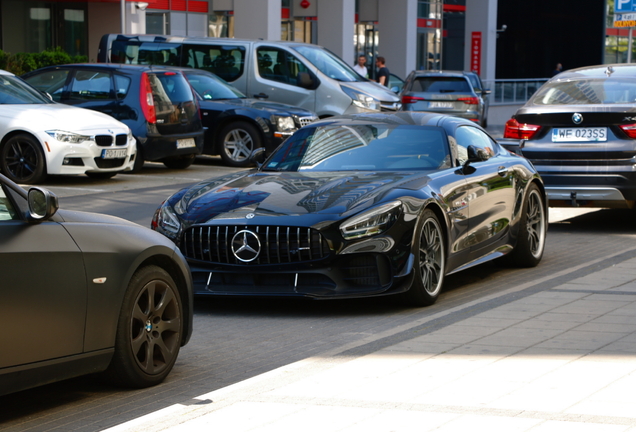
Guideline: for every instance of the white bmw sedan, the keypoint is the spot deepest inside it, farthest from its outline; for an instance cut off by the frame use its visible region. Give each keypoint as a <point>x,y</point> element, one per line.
<point>39,137</point>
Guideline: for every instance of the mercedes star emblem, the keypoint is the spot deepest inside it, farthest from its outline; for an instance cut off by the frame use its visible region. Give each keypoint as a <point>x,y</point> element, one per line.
<point>577,118</point>
<point>246,246</point>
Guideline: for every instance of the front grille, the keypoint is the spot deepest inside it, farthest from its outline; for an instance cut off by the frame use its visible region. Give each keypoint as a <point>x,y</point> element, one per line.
<point>103,140</point>
<point>304,121</point>
<point>121,139</point>
<point>279,245</point>
<point>109,163</point>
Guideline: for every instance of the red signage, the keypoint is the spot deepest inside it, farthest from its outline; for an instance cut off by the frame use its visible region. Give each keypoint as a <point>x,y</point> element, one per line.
<point>475,52</point>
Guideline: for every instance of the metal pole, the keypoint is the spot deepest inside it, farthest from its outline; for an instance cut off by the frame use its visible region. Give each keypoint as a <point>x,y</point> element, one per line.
<point>122,15</point>
<point>629,46</point>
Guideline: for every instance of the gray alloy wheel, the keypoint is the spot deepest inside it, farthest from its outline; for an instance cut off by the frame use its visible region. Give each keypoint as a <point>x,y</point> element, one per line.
<point>430,261</point>
<point>149,330</point>
<point>237,142</point>
<point>533,226</point>
<point>22,160</point>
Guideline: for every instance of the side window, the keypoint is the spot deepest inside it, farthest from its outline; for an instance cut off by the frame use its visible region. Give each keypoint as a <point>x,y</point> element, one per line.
<point>122,84</point>
<point>7,212</point>
<point>90,85</point>
<point>466,136</point>
<point>284,67</point>
<point>228,62</point>
<point>51,82</point>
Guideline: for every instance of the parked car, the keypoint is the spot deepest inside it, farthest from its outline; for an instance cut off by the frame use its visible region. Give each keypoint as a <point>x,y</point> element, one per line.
<point>40,137</point>
<point>304,75</point>
<point>85,293</point>
<point>158,106</point>
<point>361,205</point>
<point>236,125</point>
<point>579,130</point>
<point>456,93</point>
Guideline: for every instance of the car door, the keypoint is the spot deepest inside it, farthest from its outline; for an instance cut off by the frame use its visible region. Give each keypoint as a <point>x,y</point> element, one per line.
<point>490,190</point>
<point>280,80</point>
<point>43,288</point>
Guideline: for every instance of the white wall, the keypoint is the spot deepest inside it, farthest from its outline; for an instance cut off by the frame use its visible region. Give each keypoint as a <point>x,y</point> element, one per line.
<point>255,19</point>
<point>398,35</point>
<point>336,21</point>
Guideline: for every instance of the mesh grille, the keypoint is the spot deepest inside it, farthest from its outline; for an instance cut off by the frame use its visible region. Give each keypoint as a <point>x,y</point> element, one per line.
<point>121,139</point>
<point>109,163</point>
<point>304,121</point>
<point>278,244</point>
<point>103,140</point>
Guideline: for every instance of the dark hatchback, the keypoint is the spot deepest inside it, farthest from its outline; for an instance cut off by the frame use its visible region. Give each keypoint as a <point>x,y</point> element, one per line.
<point>237,125</point>
<point>158,105</point>
<point>579,131</point>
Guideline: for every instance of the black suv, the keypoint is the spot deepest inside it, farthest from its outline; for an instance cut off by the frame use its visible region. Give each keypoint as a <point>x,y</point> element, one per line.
<point>159,106</point>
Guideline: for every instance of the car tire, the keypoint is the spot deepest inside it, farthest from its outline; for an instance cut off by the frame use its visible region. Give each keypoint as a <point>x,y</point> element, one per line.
<point>236,143</point>
<point>138,163</point>
<point>533,227</point>
<point>149,330</point>
<point>22,159</point>
<point>430,261</point>
<point>179,162</point>
<point>102,175</point>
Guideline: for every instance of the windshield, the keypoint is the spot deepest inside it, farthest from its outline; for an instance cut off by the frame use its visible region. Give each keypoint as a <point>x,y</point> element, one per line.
<point>210,87</point>
<point>362,147</point>
<point>329,63</point>
<point>587,91</point>
<point>14,91</point>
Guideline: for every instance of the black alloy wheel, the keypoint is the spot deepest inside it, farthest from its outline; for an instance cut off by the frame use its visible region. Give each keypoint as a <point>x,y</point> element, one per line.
<point>22,159</point>
<point>149,330</point>
<point>533,227</point>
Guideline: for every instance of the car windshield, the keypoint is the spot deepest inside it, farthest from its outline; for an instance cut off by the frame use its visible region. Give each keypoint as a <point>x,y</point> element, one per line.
<point>362,147</point>
<point>329,63</point>
<point>210,87</point>
<point>587,91</point>
<point>14,91</point>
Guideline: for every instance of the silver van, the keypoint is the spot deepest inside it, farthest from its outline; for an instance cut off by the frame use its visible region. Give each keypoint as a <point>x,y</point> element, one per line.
<point>304,75</point>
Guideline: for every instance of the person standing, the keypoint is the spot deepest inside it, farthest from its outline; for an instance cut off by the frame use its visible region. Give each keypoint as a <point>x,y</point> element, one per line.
<point>383,71</point>
<point>557,70</point>
<point>361,68</point>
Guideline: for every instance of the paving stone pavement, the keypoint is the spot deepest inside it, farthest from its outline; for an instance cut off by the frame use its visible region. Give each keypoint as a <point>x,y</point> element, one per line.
<point>553,354</point>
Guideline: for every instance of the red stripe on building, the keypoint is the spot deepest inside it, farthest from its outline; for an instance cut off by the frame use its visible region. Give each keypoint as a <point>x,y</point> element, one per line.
<point>454,8</point>
<point>284,13</point>
<point>429,23</point>
<point>198,6</point>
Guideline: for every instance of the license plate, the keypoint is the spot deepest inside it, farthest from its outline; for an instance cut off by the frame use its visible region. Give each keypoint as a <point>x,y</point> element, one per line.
<point>186,143</point>
<point>579,134</point>
<point>114,153</point>
<point>440,104</point>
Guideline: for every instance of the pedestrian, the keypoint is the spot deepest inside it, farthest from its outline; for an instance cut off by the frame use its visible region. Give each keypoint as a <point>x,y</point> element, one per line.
<point>558,69</point>
<point>383,71</point>
<point>360,66</point>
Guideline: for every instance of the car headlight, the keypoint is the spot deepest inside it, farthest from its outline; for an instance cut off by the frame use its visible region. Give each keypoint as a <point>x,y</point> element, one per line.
<point>166,222</point>
<point>362,100</point>
<point>371,222</point>
<point>68,137</point>
<point>284,123</point>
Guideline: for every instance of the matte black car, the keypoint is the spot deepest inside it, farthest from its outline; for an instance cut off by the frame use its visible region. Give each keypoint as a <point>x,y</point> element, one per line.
<point>84,293</point>
<point>579,131</point>
<point>362,205</point>
<point>237,125</point>
<point>158,105</point>
<point>454,93</point>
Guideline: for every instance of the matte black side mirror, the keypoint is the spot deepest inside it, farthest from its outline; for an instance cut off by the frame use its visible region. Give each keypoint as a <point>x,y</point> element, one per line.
<point>42,204</point>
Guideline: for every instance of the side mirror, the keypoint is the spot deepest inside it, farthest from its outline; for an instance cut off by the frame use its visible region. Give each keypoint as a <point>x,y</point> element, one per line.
<point>476,154</point>
<point>258,156</point>
<point>43,204</point>
<point>305,80</point>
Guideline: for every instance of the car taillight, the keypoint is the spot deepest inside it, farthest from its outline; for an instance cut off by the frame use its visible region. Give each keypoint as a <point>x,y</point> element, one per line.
<point>411,99</point>
<point>469,100</point>
<point>516,130</point>
<point>146,99</point>
<point>629,129</point>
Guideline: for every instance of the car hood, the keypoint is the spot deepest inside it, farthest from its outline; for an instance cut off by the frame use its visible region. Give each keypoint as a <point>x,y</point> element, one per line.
<point>315,196</point>
<point>57,116</point>
<point>374,89</point>
<point>272,107</point>
<point>86,217</point>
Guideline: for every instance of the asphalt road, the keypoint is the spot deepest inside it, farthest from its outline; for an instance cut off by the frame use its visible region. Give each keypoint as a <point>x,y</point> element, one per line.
<point>236,339</point>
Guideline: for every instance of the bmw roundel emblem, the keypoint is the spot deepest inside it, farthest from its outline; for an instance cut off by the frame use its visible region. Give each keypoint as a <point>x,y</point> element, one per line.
<point>577,118</point>
<point>246,246</point>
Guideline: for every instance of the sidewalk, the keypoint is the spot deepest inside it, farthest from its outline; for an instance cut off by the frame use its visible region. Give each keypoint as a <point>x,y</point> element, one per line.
<point>555,354</point>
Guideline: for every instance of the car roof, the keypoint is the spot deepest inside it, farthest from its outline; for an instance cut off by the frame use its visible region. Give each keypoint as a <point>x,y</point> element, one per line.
<point>4,72</point>
<point>414,118</point>
<point>207,40</point>
<point>118,66</point>
<point>442,73</point>
<point>598,71</point>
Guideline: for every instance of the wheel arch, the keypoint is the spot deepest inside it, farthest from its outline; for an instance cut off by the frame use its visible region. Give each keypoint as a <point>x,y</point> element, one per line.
<point>443,221</point>
<point>15,132</point>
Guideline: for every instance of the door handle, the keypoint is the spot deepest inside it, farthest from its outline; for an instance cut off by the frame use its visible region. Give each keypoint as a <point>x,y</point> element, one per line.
<point>502,171</point>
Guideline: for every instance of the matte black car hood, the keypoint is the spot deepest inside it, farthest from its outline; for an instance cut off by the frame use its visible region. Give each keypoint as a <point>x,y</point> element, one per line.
<point>272,107</point>
<point>326,195</point>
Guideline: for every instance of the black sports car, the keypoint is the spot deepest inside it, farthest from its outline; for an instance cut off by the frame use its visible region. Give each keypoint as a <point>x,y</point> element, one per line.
<point>579,131</point>
<point>84,293</point>
<point>361,205</point>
